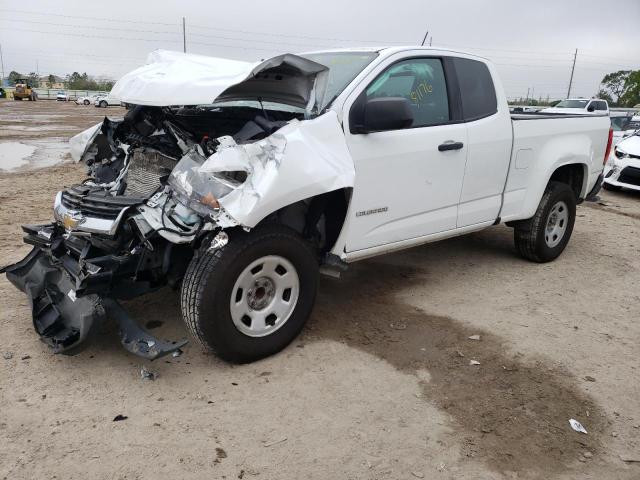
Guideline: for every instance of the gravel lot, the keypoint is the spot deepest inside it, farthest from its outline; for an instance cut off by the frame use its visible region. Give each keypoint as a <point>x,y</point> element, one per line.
<point>378,386</point>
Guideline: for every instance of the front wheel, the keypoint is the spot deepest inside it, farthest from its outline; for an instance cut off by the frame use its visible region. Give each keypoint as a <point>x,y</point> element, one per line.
<point>544,237</point>
<point>103,104</point>
<point>86,102</point>
<point>250,298</point>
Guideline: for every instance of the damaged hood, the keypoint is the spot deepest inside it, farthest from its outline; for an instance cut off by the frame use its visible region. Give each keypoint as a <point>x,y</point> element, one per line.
<point>175,78</point>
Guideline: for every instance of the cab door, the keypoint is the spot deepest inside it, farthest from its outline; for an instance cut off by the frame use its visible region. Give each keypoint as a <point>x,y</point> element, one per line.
<point>408,180</point>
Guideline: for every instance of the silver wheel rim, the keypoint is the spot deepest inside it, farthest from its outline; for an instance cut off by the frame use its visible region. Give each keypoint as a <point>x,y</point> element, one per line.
<point>264,296</point>
<point>556,224</point>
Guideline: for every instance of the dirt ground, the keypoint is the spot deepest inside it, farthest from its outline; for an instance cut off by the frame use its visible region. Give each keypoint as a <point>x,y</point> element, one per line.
<point>378,386</point>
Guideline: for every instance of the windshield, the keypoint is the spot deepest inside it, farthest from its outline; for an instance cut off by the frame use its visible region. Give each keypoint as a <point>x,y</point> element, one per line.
<point>619,123</point>
<point>633,125</point>
<point>343,68</point>
<point>572,104</point>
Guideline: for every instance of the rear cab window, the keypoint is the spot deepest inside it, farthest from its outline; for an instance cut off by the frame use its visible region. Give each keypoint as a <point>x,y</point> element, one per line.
<point>477,91</point>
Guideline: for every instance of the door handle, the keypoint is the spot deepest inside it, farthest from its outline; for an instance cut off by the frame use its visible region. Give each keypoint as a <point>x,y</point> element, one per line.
<point>443,147</point>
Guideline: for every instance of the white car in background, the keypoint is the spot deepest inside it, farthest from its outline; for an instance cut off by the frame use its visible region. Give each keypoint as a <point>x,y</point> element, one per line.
<point>623,168</point>
<point>580,106</point>
<point>105,101</point>
<point>62,96</point>
<point>88,100</point>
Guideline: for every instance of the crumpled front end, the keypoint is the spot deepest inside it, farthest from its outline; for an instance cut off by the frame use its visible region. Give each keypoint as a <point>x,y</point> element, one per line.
<point>71,288</point>
<point>167,181</point>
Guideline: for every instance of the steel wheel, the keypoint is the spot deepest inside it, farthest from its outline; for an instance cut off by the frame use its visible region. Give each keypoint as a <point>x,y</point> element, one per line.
<point>264,296</point>
<point>556,224</point>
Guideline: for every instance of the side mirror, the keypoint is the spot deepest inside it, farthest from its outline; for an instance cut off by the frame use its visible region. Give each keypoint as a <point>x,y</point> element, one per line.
<point>381,114</point>
<point>591,108</point>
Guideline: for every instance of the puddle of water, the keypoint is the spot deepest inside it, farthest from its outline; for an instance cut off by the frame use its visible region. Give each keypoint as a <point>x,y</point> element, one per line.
<point>14,155</point>
<point>49,152</point>
<point>45,118</point>
<point>37,154</point>
<point>39,128</point>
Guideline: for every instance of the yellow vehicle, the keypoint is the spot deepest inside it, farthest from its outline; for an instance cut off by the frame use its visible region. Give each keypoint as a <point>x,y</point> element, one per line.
<point>24,90</point>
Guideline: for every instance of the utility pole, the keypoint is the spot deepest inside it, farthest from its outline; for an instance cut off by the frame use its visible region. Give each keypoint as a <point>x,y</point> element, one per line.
<point>184,36</point>
<point>575,55</point>
<point>1,65</point>
<point>425,38</point>
<point>431,40</point>
<point>528,88</point>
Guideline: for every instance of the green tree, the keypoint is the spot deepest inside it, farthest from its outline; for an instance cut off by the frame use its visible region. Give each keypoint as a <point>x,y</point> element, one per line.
<point>33,79</point>
<point>82,81</point>
<point>614,84</point>
<point>605,95</point>
<point>14,77</point>
<point>631,95</point>
<point>51,80</point>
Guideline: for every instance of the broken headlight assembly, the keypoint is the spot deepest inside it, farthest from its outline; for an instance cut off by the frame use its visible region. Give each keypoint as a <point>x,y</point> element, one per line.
<point>198,184</point>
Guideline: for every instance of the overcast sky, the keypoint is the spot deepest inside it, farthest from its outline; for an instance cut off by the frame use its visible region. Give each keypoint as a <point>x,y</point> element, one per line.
<point>531,41</point>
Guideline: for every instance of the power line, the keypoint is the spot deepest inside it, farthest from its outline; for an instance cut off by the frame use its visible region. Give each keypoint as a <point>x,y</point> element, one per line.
<point>93,27</point>
<point>250,32</point>
<point>119,20</point>
<point>84,35</point>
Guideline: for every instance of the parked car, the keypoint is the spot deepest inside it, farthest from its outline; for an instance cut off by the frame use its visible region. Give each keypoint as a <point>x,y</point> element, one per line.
<point>105,101</point>
<point>88,100</point>
<point>621,123</point>
<point>241,202</point>
<point>580,106</point>
<point>62,96</point>
<point>623,168</point>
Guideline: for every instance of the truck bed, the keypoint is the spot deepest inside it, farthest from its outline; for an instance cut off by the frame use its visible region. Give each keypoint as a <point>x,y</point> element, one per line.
<point>546,144</point>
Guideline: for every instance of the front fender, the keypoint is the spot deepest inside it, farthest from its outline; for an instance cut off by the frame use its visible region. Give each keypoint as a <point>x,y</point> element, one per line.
<point>301,160</point>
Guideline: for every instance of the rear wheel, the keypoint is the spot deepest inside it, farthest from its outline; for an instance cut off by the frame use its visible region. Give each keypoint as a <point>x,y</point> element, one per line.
<point>86,102</point>
<point>103,104</point>
<point>544,237</point>
<point>250,298</point>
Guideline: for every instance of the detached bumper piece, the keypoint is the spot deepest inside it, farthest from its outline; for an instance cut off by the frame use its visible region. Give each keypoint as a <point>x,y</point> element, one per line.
<point>70,295</point>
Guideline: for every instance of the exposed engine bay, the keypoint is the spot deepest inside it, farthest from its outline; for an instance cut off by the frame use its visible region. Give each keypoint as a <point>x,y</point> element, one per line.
<point>166,182</point>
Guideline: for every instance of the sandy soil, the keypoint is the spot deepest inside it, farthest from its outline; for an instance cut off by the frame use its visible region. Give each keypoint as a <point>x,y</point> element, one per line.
<point>378,386</point>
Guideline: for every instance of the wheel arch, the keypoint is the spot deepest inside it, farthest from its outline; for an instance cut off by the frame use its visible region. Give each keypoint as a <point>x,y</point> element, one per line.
<point>323,214</point>
<point>574,174</point>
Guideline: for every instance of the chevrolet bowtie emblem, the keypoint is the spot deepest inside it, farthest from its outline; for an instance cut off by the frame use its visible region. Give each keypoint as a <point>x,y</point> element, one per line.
<point>71,220</point>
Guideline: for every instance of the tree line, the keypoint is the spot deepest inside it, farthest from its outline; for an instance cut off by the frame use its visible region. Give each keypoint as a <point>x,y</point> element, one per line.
<point>621,88</point>
<point>72,81</point>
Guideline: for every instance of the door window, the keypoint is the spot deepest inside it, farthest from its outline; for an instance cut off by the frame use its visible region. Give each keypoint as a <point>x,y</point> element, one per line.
<point>422,82</point>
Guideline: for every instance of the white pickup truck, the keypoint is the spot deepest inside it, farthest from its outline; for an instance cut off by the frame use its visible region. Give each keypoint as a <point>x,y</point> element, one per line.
<point>237,183</point>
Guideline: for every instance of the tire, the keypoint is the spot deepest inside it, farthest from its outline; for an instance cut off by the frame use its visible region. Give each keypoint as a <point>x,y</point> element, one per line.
<point>611,188</point>
<point>532,238</point>
<point>86,102</point>
<point>103,104</point>
<point>211,286</point>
